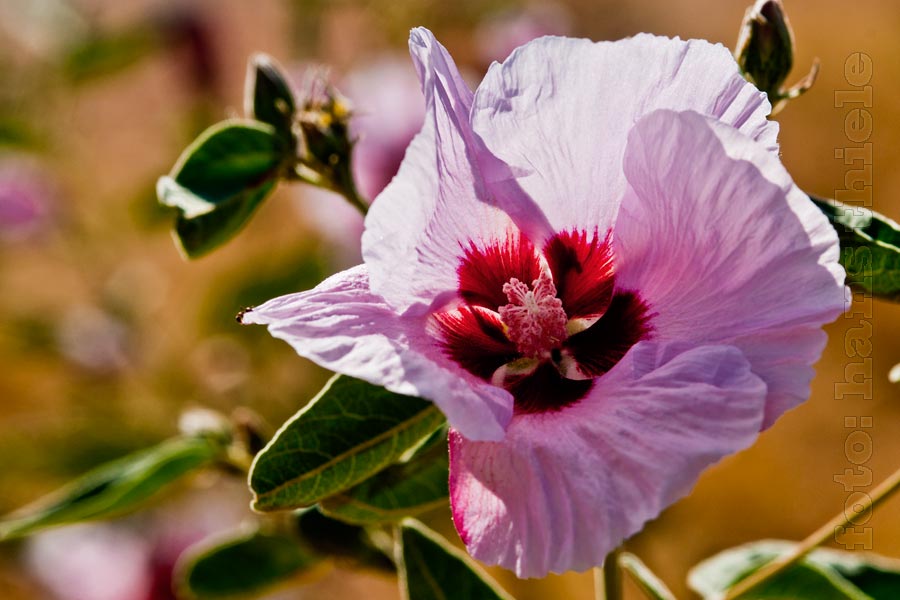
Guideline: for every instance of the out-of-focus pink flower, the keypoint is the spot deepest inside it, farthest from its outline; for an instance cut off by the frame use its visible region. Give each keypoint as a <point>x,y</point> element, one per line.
<point>93,339</point>
<point>96,561</point>
<point>133,559</point>
<point>25,198</point>
<point>388,111</point>
<point>500,34</point>
<point>597,267</point>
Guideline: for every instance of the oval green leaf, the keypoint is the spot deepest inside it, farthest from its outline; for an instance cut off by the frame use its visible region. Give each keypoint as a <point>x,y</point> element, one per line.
<point>822,575</point>
<point>115,488</point>
<point>239,564</point>
<point>403,490</point>
<point>870,247</point>
<point>220,180</point>
<point>432,569</point>
<point>349,432</point>
<point>349,544</point>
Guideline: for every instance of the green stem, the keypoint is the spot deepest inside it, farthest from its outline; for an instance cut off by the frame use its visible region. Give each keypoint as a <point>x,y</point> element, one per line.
<point>345,185</point>
<point>825,533</point>
<point>608,578</point>
<point>348,190</point>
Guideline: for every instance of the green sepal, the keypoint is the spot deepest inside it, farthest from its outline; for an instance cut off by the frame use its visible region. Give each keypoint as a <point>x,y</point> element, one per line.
<point>268,96</point>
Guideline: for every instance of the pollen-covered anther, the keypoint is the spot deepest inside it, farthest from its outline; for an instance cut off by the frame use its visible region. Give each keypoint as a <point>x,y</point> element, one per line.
<point>534,318</point>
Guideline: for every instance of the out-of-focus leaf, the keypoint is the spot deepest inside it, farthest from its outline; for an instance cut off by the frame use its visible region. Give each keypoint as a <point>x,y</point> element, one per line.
<point>650,584</point>
<point>102,53</point>
<point>403,490</point>
<point>822,575</point>
<point>241,563</point>
<point>219,181</point>
<point>343,542</point>
<point>870,247</point>
<point>877,576</point>
<point>115,488</point>
<point>268,97</point>
<point>16,133</point>
<point>350,431</point>
<point>434,570</point>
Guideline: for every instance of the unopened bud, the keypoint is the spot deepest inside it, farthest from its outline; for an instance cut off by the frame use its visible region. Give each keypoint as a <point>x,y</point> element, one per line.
<point>765,52</point>
<point>323,121</point>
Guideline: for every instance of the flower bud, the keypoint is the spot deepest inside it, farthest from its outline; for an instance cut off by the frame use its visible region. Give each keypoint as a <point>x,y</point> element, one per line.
<point>323,123</point>
<point>765,52</point>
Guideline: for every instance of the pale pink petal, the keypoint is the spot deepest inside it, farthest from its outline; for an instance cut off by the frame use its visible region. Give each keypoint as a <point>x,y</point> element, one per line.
<point>445,197</point>
<point>784,358</point>
<point>565,488</point>
<point>558,111</point>
<point>724,247</point>
<point>342,326</point>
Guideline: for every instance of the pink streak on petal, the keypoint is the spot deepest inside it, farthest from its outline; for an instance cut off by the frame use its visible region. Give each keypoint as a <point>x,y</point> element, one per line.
<point>597,349</point>
<point>582,267</point>
<point>473,337</point>
<point>485,269</point>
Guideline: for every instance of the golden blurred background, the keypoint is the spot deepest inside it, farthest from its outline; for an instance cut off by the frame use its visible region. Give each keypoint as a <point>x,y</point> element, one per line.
<point>106,334</point>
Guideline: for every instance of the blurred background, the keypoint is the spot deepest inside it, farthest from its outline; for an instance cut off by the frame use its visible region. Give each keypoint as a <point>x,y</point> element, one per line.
<point>106,334</point>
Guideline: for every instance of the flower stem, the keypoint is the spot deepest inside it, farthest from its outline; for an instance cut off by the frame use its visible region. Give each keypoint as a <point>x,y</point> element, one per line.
<point>608,578</point>
<point>827,531</point>
<point>356,200</point>
<point>347,188</point>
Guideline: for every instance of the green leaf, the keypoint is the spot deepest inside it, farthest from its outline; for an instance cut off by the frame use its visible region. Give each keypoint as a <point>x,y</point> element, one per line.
<point>877,576</point>
<point>350,431</point>
<point>650,584</point>
<point>208,230</point>
<point>403,490</point>
<point>240,564</point>
<point>219,181</point>
<point>822,575</point>
<point>115,488</point>
<point>870,248</point>
<point>348,543</point>
<point>268,97</point>
<point>103,54</point>
<point>433,569</point>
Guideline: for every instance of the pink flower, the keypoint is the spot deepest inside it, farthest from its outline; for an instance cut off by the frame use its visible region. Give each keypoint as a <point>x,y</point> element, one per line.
<point>596,266</point>
<point>387,113</point>
<point>25,196</point>
<point>500,34</point>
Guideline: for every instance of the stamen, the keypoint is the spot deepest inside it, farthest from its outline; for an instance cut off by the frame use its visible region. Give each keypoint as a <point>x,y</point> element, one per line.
<point>534,318</point>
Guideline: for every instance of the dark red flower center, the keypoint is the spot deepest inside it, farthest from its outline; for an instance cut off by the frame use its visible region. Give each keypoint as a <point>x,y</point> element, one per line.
<point>544,324</point>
